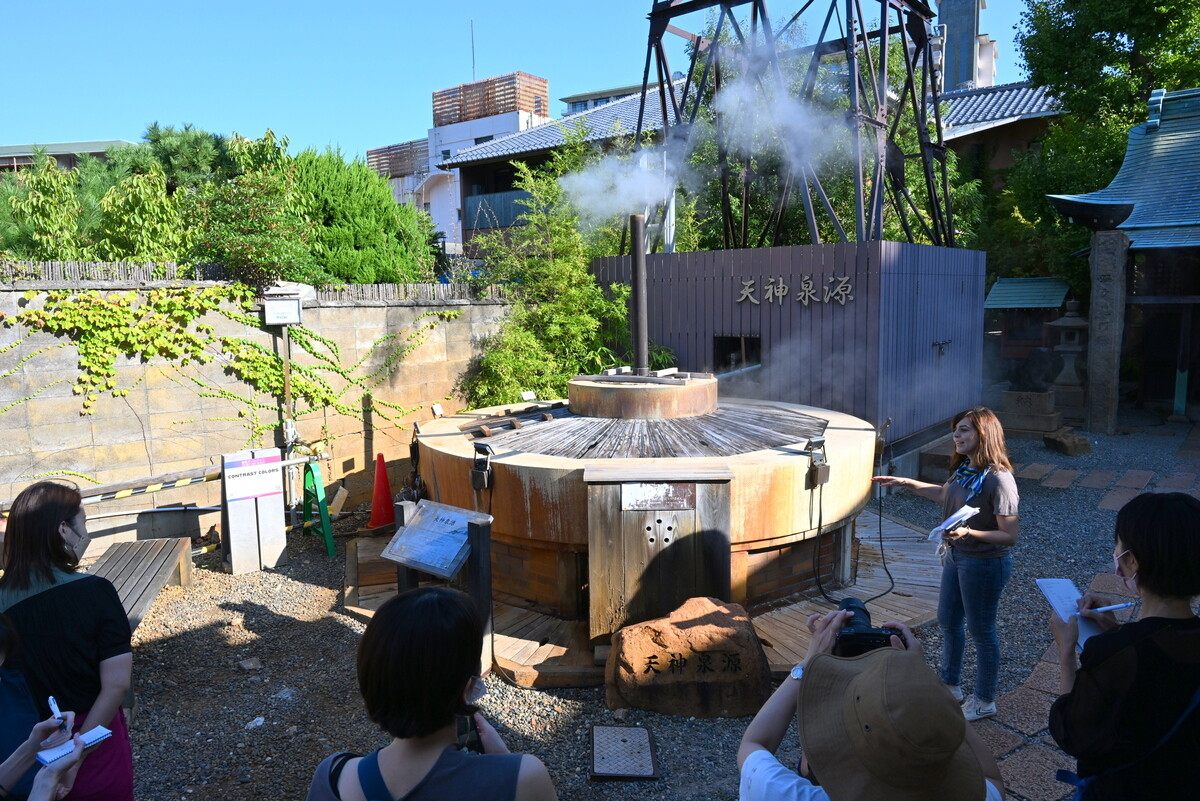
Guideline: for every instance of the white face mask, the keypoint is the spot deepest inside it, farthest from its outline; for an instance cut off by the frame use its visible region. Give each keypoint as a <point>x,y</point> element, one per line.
<point>1130,581</point>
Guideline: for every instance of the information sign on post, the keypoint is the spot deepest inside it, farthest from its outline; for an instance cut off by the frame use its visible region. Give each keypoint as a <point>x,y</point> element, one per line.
<point>443,540</point>
<point>435,540</point>
<point>255,535</point>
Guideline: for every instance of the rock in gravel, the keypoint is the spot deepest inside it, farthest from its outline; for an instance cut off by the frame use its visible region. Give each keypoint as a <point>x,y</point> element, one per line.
<point>703,659</point>
<point>1066,441</point>
<point>253,663</point>
<point>256,723</point>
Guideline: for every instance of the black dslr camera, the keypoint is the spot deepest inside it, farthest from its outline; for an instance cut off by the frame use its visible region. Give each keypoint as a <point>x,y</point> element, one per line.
<point>858,635</point>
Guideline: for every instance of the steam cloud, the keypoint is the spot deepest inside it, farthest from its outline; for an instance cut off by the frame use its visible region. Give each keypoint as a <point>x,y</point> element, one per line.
<point>757,117</point>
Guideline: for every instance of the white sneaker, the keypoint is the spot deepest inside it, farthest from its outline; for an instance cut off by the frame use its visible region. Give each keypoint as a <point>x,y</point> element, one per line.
<point>974,709</point>
<point>956,691</point>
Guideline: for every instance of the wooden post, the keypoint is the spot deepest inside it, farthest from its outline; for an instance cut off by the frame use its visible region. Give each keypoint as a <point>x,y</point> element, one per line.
<point>477,579</point>
<point>406,577</point>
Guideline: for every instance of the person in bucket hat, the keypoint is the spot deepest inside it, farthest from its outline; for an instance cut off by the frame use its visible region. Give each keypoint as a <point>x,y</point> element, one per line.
<point>876,727</point>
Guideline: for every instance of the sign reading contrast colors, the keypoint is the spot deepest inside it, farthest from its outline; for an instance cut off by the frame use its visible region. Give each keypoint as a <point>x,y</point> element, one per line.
<point>258,477</point>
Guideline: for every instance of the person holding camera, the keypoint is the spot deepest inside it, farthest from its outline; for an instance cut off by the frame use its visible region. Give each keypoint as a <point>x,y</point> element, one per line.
<point>879,725</point>
<point>418,662</point>
<point>1130,708</point>
<point>976,559</point>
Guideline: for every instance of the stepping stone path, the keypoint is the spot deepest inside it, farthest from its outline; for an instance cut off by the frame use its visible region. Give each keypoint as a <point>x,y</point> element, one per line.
<point>1019,736</point>
<point>1122,486</point>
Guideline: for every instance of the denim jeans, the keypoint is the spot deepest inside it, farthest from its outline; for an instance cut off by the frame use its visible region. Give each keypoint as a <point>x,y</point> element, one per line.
<point>970,592</point>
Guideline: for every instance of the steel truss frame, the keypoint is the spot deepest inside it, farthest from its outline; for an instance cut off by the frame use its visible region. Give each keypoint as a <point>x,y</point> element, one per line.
<point>873,118</point>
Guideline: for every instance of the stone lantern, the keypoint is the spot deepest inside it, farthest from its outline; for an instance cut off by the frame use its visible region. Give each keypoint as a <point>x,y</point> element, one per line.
<point>1069,393</point>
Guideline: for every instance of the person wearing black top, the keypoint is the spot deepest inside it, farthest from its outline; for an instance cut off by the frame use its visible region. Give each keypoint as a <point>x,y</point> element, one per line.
<point>1130,710</point>
<point>75,637</point>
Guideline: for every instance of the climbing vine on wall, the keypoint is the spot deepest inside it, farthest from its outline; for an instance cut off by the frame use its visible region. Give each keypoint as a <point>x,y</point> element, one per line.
<point>107,325</point>
<point>167,324</point>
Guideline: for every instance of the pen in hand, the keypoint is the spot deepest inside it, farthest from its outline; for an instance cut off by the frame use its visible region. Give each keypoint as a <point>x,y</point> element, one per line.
<point>62,721</point>
<point>1112,608</point>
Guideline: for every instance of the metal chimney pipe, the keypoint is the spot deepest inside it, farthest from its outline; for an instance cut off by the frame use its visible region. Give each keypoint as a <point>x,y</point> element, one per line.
<point>641,318</point>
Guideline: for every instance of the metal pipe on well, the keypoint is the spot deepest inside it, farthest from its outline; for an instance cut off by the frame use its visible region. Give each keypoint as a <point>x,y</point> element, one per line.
<point>641,318</point>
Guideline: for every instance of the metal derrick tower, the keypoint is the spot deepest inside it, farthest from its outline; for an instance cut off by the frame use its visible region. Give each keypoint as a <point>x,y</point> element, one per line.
<point>873,118</point>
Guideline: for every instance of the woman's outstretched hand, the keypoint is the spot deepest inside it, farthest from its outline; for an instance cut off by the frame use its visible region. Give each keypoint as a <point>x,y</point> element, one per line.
<point>893,481</point>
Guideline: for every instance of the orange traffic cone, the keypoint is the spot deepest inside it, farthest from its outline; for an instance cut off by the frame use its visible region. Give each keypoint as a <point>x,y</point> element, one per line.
<point>382,511</point>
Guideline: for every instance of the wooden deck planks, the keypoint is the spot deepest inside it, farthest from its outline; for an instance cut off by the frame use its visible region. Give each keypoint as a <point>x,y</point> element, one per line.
<point>914,565</point>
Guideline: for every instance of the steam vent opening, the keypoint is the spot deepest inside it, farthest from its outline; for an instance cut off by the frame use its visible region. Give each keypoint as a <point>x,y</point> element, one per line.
<point>640,491</point>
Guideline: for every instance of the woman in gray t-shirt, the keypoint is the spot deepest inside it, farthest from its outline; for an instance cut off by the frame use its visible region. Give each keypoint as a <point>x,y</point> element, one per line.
<point>976,563</point>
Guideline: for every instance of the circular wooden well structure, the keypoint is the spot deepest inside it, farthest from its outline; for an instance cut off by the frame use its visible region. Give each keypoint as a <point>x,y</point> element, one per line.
<point>640,492</point>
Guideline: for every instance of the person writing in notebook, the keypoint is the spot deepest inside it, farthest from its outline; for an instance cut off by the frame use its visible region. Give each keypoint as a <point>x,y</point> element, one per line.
<point>417,664</point>
<point>17,771</point>
<point>1130,706</point>
<point>74,635</point>
<point>976,560</point>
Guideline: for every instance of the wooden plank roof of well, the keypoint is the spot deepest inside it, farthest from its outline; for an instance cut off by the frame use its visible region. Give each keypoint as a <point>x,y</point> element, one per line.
<point>1155,196</point>
<point>1026,293</point>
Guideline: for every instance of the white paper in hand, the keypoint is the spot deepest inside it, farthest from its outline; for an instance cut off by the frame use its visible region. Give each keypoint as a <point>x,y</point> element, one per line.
<point>97,734</point>
<point>953,521</point>
<point>1064,597</point>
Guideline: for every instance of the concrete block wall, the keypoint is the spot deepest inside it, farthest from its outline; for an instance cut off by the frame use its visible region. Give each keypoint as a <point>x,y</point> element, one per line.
<point>167,423</point>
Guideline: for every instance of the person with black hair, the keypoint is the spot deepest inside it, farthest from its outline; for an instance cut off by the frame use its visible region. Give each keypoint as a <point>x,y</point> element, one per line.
<point>74,635</point>
<point>1130,708</point>
<point>418,663</point>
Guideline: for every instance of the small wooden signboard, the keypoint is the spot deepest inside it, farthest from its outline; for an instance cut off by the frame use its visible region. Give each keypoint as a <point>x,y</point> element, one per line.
<point>435,540</point>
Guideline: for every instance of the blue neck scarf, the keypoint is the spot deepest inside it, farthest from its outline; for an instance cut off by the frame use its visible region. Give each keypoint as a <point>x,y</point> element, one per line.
<point>970,479</point>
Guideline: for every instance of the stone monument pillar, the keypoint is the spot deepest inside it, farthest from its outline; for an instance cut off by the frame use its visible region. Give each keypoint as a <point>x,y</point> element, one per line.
<point>1110,253</point>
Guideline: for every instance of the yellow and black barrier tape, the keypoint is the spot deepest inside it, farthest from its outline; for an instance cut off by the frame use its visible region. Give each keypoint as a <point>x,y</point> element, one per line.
<point>147,489</point>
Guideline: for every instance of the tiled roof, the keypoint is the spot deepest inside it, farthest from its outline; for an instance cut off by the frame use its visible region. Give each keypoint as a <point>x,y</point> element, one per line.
<point>971,110</point>
<point>1026,293</point>
<point>63,148</point>
<point>602,122</point>
<point>1155,196</point>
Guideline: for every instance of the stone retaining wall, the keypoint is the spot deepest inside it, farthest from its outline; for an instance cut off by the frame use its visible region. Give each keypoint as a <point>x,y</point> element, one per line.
<point>167,423</point>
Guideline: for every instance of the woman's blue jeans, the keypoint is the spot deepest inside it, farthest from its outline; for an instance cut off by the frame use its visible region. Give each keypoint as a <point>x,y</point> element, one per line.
<point>970,593</point>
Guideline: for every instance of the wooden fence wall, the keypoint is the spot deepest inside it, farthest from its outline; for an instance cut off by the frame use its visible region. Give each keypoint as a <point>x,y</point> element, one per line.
<point>844,327</point>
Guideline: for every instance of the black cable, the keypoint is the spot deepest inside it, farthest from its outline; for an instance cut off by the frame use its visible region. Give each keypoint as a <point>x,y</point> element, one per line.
<point>879,514</point>
<point>817,542</point>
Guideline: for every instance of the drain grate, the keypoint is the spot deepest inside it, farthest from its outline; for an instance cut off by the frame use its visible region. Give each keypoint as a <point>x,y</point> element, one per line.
<point>623,752</point>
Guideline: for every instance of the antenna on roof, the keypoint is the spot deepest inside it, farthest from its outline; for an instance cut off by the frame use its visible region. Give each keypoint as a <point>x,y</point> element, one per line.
<point>472,51</point>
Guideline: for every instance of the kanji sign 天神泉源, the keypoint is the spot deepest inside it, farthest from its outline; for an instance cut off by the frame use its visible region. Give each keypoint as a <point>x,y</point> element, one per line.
<point>837,289</point>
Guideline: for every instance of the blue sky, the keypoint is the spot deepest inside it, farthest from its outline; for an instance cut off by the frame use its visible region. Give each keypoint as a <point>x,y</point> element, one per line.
<point>354,73</point>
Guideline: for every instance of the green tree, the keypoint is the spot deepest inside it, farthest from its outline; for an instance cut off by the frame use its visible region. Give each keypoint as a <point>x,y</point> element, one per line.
<point>139,221</point>
<point>45,214</point>
<point>1103,58</point>
<point>562,322</point>
<point>188,157</point>
<point>360,234</point>
<point>250,226</point>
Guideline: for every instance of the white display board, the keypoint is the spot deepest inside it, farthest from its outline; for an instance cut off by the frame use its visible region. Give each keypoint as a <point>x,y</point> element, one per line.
<point>254,530</point>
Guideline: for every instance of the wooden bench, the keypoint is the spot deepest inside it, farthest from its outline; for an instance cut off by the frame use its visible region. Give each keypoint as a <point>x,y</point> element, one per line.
<point>140,569</point>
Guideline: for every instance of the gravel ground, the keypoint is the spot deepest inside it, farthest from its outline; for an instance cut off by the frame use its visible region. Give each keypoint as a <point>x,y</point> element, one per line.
<point>197,733</point>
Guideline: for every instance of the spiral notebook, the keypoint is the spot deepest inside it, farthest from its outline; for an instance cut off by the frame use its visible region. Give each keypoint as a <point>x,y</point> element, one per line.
<point>90,738</point>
